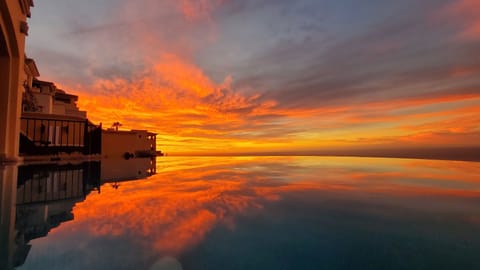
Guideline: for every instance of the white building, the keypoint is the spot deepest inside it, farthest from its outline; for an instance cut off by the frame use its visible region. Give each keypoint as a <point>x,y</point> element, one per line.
<point>48,99</point>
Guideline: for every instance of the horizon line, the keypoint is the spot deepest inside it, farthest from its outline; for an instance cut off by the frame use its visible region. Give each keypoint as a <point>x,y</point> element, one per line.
<point>444,153</point>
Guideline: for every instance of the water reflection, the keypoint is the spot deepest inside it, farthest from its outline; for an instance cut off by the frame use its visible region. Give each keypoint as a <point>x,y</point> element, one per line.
<point>256,213</point>
<point>8,185</point>
<point>46,194</point>
<point>115,171</point>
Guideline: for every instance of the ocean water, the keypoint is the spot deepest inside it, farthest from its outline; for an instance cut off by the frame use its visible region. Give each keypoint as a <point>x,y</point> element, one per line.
<point>257,213</point>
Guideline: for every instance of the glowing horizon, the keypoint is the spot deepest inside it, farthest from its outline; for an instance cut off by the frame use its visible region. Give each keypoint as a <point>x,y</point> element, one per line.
<point>238,76</point>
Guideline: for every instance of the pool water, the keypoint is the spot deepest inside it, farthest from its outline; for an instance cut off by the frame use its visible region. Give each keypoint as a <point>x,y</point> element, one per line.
<point>260,213</point>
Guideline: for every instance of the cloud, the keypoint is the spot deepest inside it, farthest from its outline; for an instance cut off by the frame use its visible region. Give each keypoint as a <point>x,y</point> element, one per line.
<point>218,76</point>
<point>174,90</point>
<point>199,10</point>
<point>465,13</point>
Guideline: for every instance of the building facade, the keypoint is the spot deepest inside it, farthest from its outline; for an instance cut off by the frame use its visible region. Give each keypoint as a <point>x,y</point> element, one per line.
<point>45,98</point>
<point>128,144</point>
<point>51,122</point>
<point>37,118</point>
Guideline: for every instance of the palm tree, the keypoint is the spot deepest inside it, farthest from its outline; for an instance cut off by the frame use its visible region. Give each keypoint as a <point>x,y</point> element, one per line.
<point>116,125</point>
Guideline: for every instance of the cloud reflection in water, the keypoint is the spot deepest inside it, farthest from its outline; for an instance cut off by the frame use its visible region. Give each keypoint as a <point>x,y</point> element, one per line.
<point>173,212</point>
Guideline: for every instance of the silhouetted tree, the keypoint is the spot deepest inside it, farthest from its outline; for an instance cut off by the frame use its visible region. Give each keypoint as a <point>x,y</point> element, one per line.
<point>116,125</point>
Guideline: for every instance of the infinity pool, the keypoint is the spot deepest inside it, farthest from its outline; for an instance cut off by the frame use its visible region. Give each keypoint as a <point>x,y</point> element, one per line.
<point>258,213</point>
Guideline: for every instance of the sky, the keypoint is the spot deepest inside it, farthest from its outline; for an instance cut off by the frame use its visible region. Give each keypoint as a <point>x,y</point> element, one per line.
<point>219,76</point>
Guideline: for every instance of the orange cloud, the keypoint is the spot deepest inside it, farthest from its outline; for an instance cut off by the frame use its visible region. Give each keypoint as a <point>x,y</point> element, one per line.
<point>152,79</point>
<point>167,93</point>
<point>177,100</point>
<point>467,12</point>
<point>198,9</point>
<point>172,95</point>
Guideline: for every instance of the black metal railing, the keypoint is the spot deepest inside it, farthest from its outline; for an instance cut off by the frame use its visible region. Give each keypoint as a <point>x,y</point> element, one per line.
<point>47,135</point>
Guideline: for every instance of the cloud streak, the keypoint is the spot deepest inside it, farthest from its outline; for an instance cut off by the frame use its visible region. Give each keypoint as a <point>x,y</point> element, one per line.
<point>216,76</point>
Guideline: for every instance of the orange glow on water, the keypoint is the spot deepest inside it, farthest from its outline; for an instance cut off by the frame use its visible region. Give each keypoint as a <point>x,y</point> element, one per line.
<point>175,209</point>
<point>239,82</point>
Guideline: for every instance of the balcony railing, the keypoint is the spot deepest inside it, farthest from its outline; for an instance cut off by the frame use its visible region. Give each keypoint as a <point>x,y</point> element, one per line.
<point>54,134</point>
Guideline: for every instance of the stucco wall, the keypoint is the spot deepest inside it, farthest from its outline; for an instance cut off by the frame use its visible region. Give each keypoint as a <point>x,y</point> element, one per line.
<point>12,50</point>
<point>45,102</point>
<point>116,143</point>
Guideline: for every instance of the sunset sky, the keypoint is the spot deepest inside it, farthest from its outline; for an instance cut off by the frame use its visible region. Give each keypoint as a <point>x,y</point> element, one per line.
<point>217,76</point>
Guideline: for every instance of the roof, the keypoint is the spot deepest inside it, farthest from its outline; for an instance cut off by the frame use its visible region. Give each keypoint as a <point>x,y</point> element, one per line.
<point>30,63</point>
<point>39,82</point>
<point>133,131</point>
<point>61,95</point>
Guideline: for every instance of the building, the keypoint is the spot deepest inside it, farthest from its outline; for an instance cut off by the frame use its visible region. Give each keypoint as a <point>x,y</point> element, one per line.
<point>37,118</point>
<point>128,144</point>
<point>66,104</point>
<point>44,97</point>
<point>13,30</point>
<point>51,122</point>
<point>30,73</point>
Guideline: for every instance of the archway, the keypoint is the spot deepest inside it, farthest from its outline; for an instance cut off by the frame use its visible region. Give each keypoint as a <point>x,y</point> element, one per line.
<point>5,92</point>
